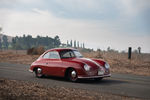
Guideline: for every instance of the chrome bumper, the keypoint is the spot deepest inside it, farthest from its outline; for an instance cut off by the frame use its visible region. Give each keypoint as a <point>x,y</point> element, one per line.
<point>94,76</point>
<point>30,71</point>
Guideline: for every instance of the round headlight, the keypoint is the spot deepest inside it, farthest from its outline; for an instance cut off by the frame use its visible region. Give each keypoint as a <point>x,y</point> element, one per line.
<point>86,67</point>
<point>107,65</point>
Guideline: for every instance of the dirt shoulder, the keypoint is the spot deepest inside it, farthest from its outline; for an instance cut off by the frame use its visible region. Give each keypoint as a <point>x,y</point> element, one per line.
<point>138,65</point>
<point>20,90</point>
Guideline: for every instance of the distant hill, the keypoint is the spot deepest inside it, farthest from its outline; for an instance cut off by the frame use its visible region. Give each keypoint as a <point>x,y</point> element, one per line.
<point>8,37</point>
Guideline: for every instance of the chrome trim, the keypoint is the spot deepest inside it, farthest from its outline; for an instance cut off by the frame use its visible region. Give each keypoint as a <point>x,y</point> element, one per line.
<point>30,70</point>
<point>94,76</point>
<point>73,74</point>
<point>39,70</point>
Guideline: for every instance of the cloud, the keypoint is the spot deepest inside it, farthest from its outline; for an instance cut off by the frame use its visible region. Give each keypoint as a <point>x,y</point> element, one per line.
<point>94,33</point>
<point>133,7</point>
<point>98,23</point>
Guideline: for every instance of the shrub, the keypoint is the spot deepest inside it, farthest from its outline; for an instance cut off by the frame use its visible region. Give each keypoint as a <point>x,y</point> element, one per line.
<point>35,51</point>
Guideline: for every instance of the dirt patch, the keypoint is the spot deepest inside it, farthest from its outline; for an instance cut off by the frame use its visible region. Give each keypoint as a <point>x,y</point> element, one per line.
<point>20,90</point>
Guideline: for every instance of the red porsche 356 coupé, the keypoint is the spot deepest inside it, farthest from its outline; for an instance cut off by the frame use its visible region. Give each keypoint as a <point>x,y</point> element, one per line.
<point>69,63</point>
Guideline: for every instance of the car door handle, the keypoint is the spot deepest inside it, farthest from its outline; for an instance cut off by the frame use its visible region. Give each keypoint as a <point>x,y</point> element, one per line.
<point>46,63</point>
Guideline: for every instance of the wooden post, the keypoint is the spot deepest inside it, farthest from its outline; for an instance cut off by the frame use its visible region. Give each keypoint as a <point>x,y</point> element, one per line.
<point>129,52</point>
<point>139,50</point>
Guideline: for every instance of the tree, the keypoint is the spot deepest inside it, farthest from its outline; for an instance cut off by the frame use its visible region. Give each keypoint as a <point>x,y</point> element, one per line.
<point>18,46</point>
<point>0,39</point>
<point>67,43</point>
<point>0,29</point>
<point>14,43</point>
<point>5,42</point>
<point>57,41</point>
<point>71,43</point>
<point>83,45</point>
<point>108,49</point>
<point>75,44</point>
<point>99,50</point>
<point>78,44</point>
<point>28,41</point>
<point>135,51</point>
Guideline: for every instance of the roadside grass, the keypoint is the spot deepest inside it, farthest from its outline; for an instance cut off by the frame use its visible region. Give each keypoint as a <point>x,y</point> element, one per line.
<point>139,64</point>
<point>20,90</point>
<point>119,62</point>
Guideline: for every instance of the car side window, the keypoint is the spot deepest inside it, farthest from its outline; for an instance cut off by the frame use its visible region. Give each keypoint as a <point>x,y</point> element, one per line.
<point>52,55</point>
<point>46,55</point>
<point>67,54</point>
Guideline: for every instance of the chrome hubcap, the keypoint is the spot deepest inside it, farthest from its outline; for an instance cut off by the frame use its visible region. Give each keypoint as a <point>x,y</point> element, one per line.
<point>73,74</point>
<point>39,70</point>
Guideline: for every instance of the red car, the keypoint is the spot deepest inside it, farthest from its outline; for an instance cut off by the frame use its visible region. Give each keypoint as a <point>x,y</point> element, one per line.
<point>69,63</point>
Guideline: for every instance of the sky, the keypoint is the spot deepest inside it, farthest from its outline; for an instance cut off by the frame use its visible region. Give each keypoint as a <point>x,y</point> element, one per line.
<point>117,24</point>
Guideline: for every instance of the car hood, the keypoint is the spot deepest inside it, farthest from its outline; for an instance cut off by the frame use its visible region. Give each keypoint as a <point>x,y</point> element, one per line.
<point>88,61</point>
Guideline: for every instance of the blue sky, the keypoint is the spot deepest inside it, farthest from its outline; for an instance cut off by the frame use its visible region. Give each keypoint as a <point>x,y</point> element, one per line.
<point>99,23</point>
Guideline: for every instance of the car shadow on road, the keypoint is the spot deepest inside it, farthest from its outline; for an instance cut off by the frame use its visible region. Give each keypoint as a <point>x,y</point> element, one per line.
<point>105,81</point>
<point>108,81</point>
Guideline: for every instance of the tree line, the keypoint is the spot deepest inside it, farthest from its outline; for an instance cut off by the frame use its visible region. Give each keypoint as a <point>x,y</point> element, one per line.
<point>26,42</point>
<point>4,44</point>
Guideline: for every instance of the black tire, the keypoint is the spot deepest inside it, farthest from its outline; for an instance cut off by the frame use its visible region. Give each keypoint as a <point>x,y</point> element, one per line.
<point>38,73</point>
<point>98,79</point>
<point>72,75</point>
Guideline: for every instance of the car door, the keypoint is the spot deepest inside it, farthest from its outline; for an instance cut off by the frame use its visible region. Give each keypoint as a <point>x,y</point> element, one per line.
<point>53,64</point>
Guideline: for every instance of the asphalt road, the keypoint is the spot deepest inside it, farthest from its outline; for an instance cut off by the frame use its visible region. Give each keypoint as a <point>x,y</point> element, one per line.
<point>120,84</point>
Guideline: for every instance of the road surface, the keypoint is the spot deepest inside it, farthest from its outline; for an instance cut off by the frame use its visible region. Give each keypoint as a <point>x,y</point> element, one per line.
<point>120,84</point>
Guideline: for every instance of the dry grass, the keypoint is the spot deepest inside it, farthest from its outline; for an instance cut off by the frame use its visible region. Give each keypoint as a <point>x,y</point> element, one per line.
<point>20,90</point>
<point>139,64</point>
<point>17,57</point>
<point>119,62</point>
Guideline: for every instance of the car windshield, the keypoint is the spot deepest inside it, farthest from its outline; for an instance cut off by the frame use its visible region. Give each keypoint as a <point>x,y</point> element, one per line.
<point>70,54</point>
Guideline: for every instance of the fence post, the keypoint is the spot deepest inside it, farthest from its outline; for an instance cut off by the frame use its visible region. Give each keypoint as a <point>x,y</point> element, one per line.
<point>139,50</point>
<point>129,52</point>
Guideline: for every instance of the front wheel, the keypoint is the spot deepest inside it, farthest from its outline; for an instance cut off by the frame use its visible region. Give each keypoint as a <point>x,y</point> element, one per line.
<point>38,73</point>
<point>72,75</point>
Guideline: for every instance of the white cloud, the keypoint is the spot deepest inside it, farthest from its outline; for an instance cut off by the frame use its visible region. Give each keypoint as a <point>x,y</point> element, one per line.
<point>94,33</point>
<point>133,7</point>
<point>5,2</point>
<point>11,2</point>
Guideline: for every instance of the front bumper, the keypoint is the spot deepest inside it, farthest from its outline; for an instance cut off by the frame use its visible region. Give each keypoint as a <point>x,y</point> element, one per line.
<point>30,70</point>
<point>108,75</point>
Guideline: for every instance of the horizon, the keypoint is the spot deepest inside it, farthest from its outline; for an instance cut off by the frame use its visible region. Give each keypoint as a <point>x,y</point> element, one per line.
<point>123,50</point>
<point>99,24</point>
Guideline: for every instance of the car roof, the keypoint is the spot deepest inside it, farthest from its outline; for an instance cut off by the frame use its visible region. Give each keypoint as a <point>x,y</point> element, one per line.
<point>61,49</point>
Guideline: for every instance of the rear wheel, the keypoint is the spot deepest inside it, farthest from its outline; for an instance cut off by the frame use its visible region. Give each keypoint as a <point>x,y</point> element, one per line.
<point>72,75</point>
<point>38,73</point>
